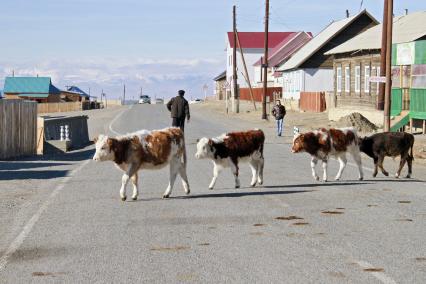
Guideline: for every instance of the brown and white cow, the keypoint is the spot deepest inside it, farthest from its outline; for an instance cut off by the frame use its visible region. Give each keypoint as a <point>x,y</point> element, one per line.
<point>228,150</point>
<point>323,143</point>
<point>145,150</point>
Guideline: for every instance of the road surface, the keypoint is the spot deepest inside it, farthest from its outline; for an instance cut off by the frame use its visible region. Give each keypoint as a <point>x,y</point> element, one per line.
<point>290,230</point>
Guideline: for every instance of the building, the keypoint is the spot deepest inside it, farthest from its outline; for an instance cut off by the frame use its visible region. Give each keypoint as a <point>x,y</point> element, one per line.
<point>356,60</point>
<point>310,70</point>
<point>220,86</point>
<point>278,55</point>
<point>252,44</point>
<point>39,89</point>
<point>74,94</point>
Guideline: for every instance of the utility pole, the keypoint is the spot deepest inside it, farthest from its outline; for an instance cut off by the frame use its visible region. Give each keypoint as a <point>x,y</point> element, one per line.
<point>265,61</point>
<point>388,86</point>
<point>124,94</point>
<point>236,105</point>
<point>381,97</point>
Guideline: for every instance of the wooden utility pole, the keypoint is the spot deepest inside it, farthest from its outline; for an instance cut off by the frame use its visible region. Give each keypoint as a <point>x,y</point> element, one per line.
<point>388,86</point>
<point>124,94</point>
<point>236,106</point>
<point>381,97</point>
<point>265,61</point>
<point>247,77</point>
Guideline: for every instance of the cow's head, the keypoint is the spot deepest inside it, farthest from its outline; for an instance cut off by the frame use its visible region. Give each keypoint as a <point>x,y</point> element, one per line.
<point>104,148</point>
<point>298,143</point>
<point>204,148</point>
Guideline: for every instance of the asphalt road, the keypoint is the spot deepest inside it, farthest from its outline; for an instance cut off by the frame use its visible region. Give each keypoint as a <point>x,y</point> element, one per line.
<point>290,230</point>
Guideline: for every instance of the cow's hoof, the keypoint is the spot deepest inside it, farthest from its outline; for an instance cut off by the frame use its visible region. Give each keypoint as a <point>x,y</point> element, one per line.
<point>316,178</point>
<point>386,174</point>
<point>166,196</point>
<point>396,176</point>
<point>135,198</point>
<point>253,185</point>
<point>210,188</point>
<point>188,192</point>
<point>360,178</point>
<point>260,182</point>
<point>123,198</point>
<point>408,176</point>
<point>237,186</point>
<point>324,180</point>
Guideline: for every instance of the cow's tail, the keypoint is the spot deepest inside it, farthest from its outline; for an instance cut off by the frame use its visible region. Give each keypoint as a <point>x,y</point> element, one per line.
<point>183,157</point>
<point>411,150</point>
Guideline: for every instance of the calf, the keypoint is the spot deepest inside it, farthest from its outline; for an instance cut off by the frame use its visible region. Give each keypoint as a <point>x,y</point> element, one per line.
<point>230,149</point>
<point>323,143</point>
<point>390,144</point>
<point>145,150</point>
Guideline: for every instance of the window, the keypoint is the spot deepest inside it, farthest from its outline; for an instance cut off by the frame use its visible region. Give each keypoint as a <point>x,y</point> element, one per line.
<point>347,79</point>
<point>357,79</point>
<point>367,79</point>
<point>339,79</point>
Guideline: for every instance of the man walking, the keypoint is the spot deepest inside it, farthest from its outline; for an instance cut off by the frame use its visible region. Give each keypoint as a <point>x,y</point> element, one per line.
<point>179,109</point>
<point>279,112</point>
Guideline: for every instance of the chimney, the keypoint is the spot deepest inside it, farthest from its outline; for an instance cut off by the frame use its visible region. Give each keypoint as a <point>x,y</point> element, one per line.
<point>347,14</point>
<point>406,12</point>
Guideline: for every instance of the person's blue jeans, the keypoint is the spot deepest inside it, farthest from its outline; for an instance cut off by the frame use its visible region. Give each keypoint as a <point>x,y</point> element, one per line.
<point>280,123</point>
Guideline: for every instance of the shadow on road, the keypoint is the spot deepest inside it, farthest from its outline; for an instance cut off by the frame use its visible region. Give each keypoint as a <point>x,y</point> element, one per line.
<point>319,184</point>
<point>22,175</point>
<point>241,194</point>
<point>13,166</point>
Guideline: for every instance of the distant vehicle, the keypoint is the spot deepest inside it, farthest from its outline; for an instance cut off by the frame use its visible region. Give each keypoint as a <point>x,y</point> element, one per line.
<point>196,101</point>
<point>144,99</point>
<point>159,101</point>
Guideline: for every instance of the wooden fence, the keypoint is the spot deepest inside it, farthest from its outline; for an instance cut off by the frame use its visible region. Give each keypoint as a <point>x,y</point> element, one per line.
<point>258,92</point>
<point>312,101</point>
<point>18,128</point>
<point>59,107</point>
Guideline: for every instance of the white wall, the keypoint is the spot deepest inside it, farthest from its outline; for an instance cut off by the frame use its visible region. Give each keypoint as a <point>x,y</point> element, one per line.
<point>251,56</point>
<point>318,80</point>
<point>306,80</point>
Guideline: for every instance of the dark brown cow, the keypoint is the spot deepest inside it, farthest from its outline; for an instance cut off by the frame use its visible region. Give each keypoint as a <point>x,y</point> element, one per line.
<point>230,149</point>
<point>323,143</point>
<point>389,144</point>
<point>145,150</point>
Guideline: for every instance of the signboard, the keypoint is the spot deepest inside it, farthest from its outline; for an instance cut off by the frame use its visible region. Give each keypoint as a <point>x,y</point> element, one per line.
<point>405,53</point>
<point>377,79</point>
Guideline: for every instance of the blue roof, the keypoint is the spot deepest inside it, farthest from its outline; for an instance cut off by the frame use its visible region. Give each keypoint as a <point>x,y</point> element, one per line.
<point>38,85</point>
<point>77,90</point>
<point>33,95</point>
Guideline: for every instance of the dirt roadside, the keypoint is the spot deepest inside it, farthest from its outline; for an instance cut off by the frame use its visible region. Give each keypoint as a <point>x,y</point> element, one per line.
<point>305,121</point>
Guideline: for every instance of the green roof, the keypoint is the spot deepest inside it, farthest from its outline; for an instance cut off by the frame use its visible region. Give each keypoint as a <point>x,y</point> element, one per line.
<point>34,95</point>
<point>29,85</point>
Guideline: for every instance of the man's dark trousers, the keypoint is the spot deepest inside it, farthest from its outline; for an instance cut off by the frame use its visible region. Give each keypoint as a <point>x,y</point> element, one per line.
<point>179,122</point>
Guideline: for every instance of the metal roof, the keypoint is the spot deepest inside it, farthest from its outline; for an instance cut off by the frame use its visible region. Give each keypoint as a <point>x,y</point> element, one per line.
<point>33,85</point>
<point>286,48</point>
<point>405,29</point>
<point>257,39</point>
<point>319,41</point>
<point>220,76</point>
<point>77,90</point>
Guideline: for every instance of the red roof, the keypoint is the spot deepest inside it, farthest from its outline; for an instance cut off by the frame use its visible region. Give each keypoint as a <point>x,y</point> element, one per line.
<point>257,39</point>
<point>285,49</point>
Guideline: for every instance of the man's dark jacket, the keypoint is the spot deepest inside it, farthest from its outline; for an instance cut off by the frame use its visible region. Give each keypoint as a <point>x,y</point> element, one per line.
<point>278,112</point>
<point>178,107</point>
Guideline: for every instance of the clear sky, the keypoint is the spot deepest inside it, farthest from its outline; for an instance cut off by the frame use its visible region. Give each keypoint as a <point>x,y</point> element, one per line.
<point>159,45</point>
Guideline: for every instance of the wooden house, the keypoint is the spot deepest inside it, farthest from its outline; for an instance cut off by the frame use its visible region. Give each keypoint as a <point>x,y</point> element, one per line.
<point>309,71</point>
<point>358,59</point>
<point>39,89</point>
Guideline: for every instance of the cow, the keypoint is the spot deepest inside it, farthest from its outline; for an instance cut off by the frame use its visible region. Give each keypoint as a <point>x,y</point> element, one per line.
<point>389,144</point>
<point>323,143</point>
<point>145,150</point>
<point>228,150</point>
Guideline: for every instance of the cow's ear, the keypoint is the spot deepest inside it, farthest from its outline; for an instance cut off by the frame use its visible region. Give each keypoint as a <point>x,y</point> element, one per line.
<point>198,140</point>
<point>210,142</point>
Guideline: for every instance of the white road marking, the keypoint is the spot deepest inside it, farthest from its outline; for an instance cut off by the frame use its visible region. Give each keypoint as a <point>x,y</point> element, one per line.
<point>17,242</point>
<point>116,118</point>
<point>382,277</point>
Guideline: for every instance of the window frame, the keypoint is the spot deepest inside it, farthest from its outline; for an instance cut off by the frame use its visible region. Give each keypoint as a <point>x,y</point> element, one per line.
<point>367,76</point>
<point>339,79</point>
<point>347,79</point>
<point>357,79</point>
